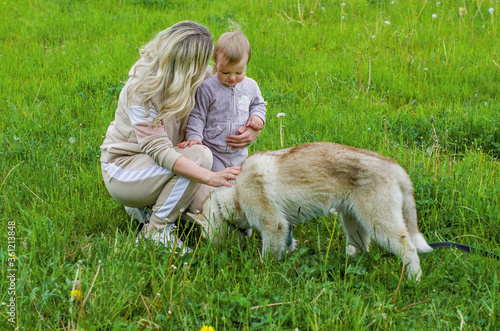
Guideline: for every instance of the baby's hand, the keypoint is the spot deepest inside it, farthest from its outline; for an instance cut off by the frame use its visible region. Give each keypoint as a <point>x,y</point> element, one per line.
<point>255,122</point>
<point>188,143</point>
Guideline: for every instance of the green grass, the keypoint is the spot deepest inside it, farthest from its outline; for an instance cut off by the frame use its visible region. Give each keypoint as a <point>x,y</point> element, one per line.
<point>423,91</point>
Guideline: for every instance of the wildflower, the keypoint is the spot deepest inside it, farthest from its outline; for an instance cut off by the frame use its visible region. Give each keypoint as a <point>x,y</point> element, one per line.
<point>387,22</point>
<point>491,10</point>
<point>72,140</point>
<point>434,16</point>
<point>76,294</point>
<point>373,37</point>
<point>343,4</point>
<point>207,328</point>
<point>282,138</point>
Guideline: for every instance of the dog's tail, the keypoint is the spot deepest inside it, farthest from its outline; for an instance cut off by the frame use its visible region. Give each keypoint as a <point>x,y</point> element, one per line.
<point>410,216</point>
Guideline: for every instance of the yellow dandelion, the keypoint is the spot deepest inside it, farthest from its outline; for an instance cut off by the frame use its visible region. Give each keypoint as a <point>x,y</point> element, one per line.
<point>207,328</point>
<point>76,294</point>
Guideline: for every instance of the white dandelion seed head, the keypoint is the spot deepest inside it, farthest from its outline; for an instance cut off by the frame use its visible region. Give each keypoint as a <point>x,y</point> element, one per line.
<point>387,23</point>
<point>343,4</point>
<point>434,16</point>
<point>72,140</point>
<point>374,36</point>
<point>280,115</point>
<point>491,10</point>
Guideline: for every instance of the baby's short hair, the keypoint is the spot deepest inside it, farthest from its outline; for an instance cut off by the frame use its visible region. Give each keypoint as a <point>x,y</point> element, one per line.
<point>233,46</point>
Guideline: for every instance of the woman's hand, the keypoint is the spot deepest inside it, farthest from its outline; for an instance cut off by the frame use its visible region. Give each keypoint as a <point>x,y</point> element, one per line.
<point>221,178</point>
<point>246,136</point>
<point>189,170</point>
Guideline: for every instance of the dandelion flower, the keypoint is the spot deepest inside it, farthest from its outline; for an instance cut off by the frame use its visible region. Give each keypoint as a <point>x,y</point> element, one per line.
<point>434,16</point>
<point>373,37</point>
<point>72,140</point>
<point>207,328</point>
<point>387,22</point>
<point>491,10</point>
<point>280,115</point>
<point>76,294</point>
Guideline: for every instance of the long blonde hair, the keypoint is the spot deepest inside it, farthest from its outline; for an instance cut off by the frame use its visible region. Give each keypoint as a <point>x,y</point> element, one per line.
<point>174,65</point>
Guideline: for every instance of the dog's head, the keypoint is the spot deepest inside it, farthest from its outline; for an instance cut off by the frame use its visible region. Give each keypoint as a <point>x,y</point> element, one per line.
<point>223,214</point>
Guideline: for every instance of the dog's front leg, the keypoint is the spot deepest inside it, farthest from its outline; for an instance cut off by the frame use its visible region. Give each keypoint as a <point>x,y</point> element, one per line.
<point>276,237</point>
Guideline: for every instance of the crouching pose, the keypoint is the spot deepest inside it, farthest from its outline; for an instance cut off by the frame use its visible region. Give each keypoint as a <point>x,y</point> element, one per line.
<point>372,194</point>
<point>140,165</point>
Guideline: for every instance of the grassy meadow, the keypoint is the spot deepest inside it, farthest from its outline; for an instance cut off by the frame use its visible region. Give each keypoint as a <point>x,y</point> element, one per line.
<point>414,80</point>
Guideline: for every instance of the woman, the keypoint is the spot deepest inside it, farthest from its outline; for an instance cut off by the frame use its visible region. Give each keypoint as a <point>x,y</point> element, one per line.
<point>140,165</point>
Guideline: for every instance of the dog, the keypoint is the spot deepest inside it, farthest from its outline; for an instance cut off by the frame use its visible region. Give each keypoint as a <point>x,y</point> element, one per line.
<point>372,194</point>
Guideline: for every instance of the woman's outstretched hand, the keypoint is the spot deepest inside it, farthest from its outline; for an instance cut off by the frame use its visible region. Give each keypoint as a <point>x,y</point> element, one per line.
<point>221,178</point>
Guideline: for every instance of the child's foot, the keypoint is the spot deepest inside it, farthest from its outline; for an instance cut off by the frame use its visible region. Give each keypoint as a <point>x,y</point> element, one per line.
<point>166,237</point>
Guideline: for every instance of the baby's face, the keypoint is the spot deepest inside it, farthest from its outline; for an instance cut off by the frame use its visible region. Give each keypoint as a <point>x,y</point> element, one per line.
<point>231,75</point>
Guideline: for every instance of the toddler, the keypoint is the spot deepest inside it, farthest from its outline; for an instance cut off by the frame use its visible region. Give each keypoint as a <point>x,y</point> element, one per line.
<point>227,103</point>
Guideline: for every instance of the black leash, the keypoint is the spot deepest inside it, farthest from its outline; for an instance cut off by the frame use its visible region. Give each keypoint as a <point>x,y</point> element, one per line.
<point>463,248</point>
<point>460,247</point>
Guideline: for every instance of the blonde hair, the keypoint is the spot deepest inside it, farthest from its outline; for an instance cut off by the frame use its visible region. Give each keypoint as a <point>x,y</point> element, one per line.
<point>174,63</point>
<point>233,46</point>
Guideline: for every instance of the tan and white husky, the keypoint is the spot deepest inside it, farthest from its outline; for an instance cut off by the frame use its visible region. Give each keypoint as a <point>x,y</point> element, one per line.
<point>372,194</point>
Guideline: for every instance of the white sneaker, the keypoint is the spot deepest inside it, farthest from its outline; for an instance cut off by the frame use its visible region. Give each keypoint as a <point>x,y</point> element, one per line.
<point>141,214</point>
<point>166,237</point>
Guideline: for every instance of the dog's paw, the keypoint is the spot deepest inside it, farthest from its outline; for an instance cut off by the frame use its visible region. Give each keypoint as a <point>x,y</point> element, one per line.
<point>351,250</point>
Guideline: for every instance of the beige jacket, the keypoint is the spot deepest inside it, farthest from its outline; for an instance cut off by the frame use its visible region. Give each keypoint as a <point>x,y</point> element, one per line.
<point>131,131</point>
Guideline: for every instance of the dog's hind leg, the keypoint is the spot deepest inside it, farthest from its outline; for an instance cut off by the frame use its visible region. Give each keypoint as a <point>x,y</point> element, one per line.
<point>393,235</point>
<point>358,239</point>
